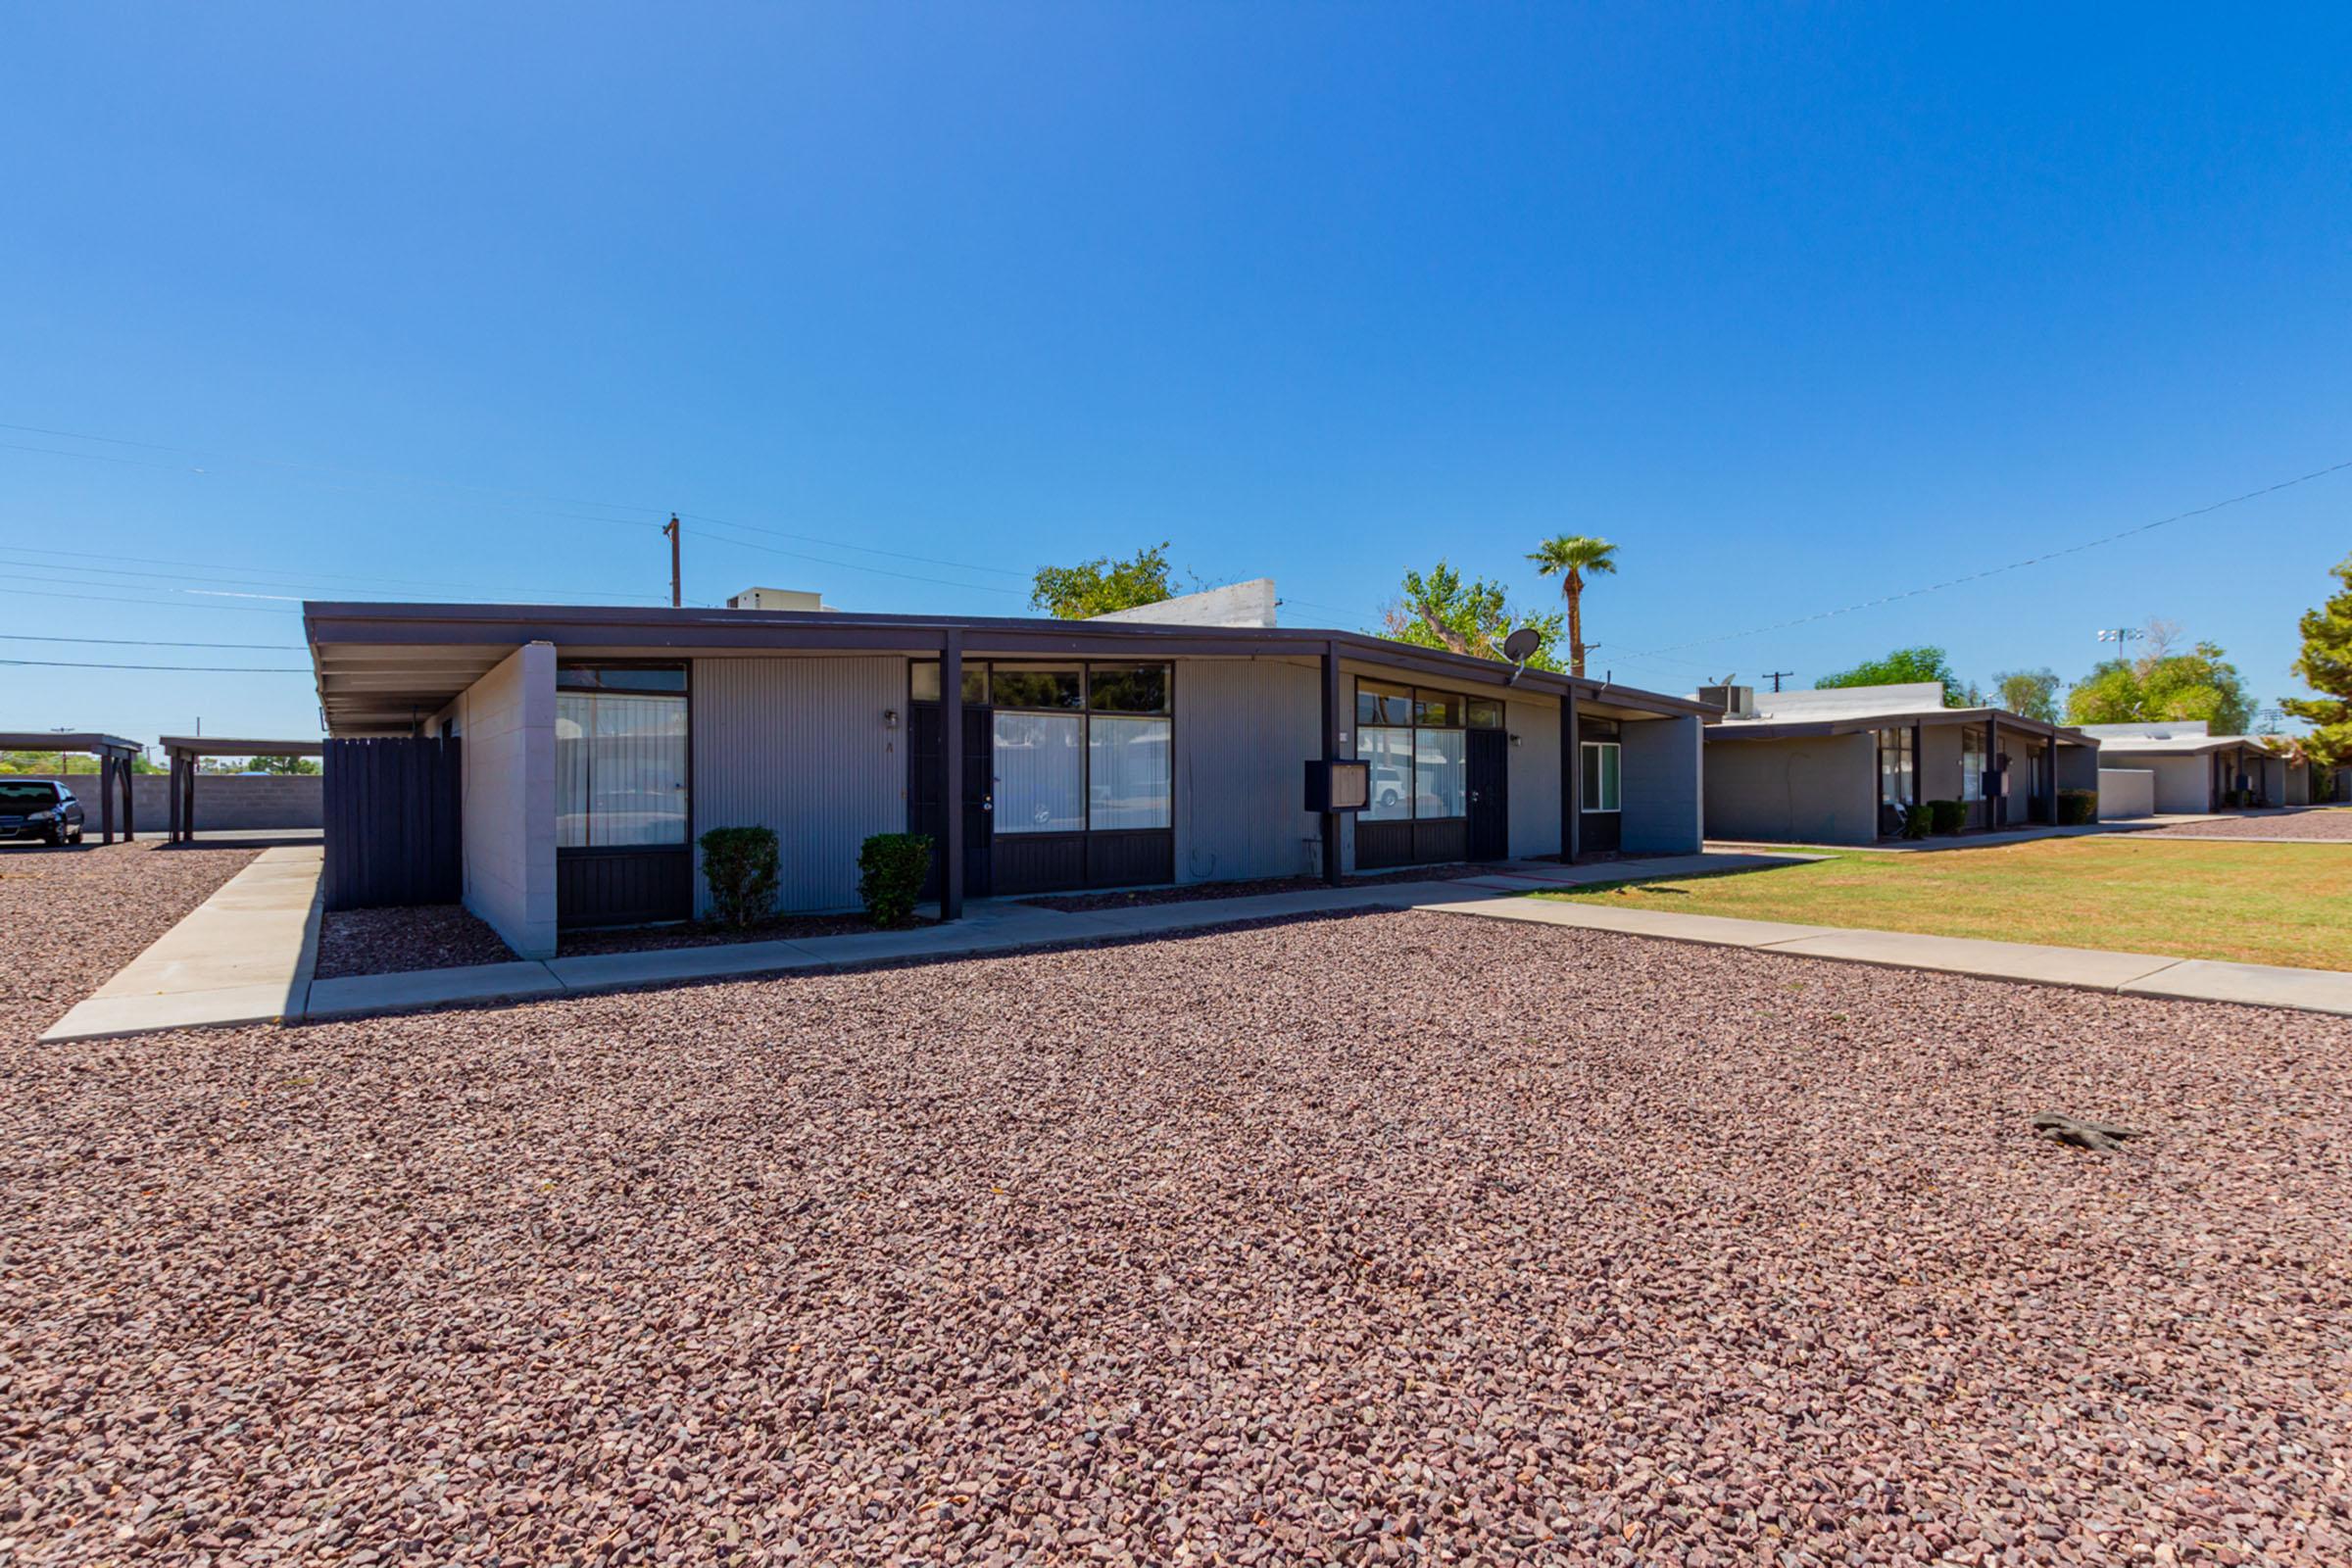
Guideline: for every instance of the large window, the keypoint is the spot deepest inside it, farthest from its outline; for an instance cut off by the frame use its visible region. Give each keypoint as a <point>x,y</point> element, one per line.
<point>1971,765</point>
<point>1416,748</point>
<point>1604,776</point>
<point>1078,746</point>
<point>1898,782</point>
<point>621,756</point>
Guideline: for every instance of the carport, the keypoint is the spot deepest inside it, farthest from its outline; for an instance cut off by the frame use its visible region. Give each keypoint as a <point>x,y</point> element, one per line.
<point>114,756</point>
<point>184,752</point>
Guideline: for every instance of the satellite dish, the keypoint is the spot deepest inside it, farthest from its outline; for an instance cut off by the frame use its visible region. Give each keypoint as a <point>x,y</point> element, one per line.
<point>1520,647</point>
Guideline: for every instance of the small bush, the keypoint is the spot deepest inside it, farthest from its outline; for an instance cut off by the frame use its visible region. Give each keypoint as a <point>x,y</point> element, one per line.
<point>740,865</point>
<point>2078,808</point>
<point>1916,821</point>
<point>891,869</point>
<point>1947,816</point>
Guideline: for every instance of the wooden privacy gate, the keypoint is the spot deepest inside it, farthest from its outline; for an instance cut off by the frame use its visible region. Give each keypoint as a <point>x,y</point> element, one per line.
<point>393,820</point>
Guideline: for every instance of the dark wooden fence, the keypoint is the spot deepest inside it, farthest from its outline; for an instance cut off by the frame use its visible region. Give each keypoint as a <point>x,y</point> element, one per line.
<point>392,823</point>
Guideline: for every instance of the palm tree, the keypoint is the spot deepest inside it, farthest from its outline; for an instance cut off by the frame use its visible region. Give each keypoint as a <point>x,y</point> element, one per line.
<point>1572,555</point>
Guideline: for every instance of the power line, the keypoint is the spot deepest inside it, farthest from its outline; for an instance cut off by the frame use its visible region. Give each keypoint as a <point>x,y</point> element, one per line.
<point>146,641</point>
<point>2014,565</point>
<point>150,604</point>
<point>851,565</point>
<point>278,572</point>
<point>864,550</point>
<point>192,669</point>
<point>294,580</point>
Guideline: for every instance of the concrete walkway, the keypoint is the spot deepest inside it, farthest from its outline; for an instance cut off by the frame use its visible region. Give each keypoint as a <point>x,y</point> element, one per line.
<point>244,956</point>
<point>247,955</point>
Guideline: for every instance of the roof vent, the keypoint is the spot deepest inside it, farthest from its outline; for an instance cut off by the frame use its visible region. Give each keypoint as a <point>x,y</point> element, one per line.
<point>777,599</point>
<point>1737,702</point>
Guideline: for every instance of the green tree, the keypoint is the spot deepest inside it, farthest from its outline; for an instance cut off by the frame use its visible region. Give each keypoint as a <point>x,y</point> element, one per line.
<point>1101,585</point>
<point>54,764</point>
<point>1441,610</point>
<point>2326,666</point>
<point>1903,666</point>
<point>303,765</point>
<point>2031,692</point>
<point>2198,684</point>
<point>1570,557</point>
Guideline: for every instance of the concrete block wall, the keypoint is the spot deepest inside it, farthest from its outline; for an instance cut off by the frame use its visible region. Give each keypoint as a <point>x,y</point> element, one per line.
<point>222,800</point>
<point>509,721</point>
<point>1664,792</point>
<point>2126,793</point>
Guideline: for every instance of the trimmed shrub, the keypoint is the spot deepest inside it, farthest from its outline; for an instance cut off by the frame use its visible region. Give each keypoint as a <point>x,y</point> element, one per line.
<point>740,865</point>
<point>1947,816</point>
<point>2078,808</point>
<point>1916,821</point>
<point>891,869</point>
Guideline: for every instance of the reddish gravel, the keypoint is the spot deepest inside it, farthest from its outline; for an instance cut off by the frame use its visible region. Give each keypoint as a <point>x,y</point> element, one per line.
<point>71,917</point>
<point>431,936</point>
<point>1397,1238</point>
<point>2329,825</point>
<point>1192,892</point>
<point>713,934</point>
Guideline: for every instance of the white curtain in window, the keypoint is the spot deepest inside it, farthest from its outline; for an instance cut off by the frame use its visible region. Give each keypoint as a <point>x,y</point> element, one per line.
<point>1603,766</point>
<point>1041,772</point>
<point>637,776</point>
<point>1128,772</point>
<point>575,718</point>
<point>1442,774</point>
<point>1972,765</point>
<point>1391,754</point>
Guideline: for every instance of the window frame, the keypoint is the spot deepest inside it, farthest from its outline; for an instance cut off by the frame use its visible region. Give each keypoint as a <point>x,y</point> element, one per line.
<point>1896,740</point>
<point>1599,753</point>
<point>684,694</point>
<point>985,670</point>
<point>1417,699</point>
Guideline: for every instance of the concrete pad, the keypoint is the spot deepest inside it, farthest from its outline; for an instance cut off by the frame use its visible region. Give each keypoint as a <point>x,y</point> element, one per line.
<point>2260,985</point>
<point>1999,961</point>
<point>430,988</point>
<point>104,1017</point>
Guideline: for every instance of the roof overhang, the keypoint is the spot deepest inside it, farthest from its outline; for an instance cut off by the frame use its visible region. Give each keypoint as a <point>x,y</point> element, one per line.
<point>102,745</point>
<point>230,746</point>
<point>1736,729</point>
<point>383,668</point>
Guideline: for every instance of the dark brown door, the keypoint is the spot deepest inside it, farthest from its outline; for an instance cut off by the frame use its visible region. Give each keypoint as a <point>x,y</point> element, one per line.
<point>1489,807</point>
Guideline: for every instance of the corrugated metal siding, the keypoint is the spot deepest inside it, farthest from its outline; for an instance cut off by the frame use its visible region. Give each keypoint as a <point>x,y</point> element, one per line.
<point>1535,773</point>
<point>1244,729</point>
<point>799,745</point>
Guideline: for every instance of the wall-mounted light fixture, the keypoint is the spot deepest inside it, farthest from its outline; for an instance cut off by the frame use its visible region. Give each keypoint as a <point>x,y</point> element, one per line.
<point>1514,740</point>
<point>890,718</point>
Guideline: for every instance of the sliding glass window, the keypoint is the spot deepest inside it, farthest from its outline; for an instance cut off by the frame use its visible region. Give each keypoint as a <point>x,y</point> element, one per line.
<point>1898,782</point>
<point>621,756</point>
<point>1415,743</point>
<point>1078,746</point>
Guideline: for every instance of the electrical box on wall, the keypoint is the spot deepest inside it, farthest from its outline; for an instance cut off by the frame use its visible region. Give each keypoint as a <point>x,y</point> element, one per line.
<point>1339,784</point>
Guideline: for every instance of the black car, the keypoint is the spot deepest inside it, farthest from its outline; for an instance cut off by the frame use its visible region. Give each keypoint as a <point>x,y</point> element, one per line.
<point>38,809</point>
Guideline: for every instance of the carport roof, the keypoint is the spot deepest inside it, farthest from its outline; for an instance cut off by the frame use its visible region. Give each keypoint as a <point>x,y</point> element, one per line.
<point>44,740</point>
<point>383,668</point>
<point>1742,729</point>
<point>225,746</point>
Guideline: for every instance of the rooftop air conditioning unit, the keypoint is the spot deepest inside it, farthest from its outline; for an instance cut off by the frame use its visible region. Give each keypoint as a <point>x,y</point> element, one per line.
<point>776,599</point>
<point>1737,702</point>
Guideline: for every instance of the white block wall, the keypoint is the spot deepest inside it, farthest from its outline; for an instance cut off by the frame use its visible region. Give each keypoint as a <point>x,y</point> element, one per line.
<point>509,723</point>
<point>1663,798</point>
<point>2126,793</point>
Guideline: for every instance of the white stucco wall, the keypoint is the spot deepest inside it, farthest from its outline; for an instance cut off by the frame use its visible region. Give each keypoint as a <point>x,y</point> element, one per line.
<point>800,746</point>
<point>1816,790</point>
<point>2126,793</point>
<point>1245,730</point>
<point>509,718</point>
<point>2183,783</point>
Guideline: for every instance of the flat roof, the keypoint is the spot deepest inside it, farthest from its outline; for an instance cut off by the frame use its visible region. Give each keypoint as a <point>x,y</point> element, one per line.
<point>1764,729</point>
<point>381,667</point>
<point>226,746</point>
<point>39,740</point>
<point>2176,745</point>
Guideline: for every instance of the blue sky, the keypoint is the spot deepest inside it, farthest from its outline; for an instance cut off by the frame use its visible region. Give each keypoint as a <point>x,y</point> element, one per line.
<point>1800,304</point>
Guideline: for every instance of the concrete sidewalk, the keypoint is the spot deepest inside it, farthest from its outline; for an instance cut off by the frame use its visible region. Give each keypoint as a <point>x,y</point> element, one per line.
<point>247,955</point>
<point>244,956</point>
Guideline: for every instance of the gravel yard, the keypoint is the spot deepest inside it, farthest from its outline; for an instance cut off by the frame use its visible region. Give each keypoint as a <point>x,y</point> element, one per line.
<point>2331,825</point>
<point>1397,1238</point>
<point>1192,892</point>
<point>431,936</point>
<point>73,917</point>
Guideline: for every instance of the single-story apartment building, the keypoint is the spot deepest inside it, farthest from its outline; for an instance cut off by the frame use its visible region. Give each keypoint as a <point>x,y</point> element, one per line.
<point>595,745</point>
<point>1841,766</point>
<point>2198,771</point>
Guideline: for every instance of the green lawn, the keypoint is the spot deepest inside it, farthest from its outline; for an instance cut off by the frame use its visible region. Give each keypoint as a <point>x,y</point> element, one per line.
<point>2289,904</point>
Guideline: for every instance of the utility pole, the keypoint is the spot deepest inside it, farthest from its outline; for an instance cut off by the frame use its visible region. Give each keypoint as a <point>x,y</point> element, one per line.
<point>1776,676</point>
<point>671,529</point>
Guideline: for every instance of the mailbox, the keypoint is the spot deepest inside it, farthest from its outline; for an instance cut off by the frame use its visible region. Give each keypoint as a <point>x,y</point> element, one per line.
<point>1339,784</point>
